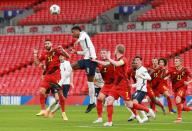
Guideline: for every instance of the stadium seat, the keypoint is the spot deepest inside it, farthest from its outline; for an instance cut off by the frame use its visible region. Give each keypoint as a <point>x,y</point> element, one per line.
<point>72,12</point>
<point>165,10</point>
<point>17,51</point>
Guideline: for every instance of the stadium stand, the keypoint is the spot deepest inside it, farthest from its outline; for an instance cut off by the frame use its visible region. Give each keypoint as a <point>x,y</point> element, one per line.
<point>72,12</point>
<point>16,4</point>
<point>17,50</point>
<point>168,10</point>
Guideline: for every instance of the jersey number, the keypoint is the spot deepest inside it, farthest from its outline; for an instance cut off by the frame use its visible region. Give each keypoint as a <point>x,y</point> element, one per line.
<point>155,74</point>
<point>179,77</point>
<point>50,58</point>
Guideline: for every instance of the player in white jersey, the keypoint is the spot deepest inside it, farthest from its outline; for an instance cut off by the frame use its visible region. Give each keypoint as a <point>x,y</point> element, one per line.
<point>141,76</point>
<point>65,83</point>
<point>88,51</point>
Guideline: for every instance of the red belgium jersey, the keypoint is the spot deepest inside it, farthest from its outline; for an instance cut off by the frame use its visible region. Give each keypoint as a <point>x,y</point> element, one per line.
<point>178,77</point>
<point>107,73</point>
<point>52,61</point>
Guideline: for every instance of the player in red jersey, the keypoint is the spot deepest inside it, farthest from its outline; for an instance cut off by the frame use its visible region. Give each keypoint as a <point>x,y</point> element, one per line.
<point>152,85</point>
<point>121,85</point>
<point>107,72</point>
<point>51,73</point>
<point>162,88</point>
<point>180,78</point>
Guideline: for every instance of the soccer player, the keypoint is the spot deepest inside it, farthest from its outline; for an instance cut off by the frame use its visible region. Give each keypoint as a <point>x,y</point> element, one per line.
<point>121,85</point>
<point>88,51</point>
<point>180,78</point>
<point>65,83</point>
<point>107,72</point>
<point>162,88</point>
<point>154,71</point>
<point>52,71</point>
<point>140,85</point>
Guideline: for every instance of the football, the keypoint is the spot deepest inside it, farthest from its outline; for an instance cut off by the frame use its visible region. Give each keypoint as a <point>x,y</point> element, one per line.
<point>55,9</point>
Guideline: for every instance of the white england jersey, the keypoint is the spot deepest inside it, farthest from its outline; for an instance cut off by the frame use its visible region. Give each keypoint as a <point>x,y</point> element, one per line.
<point>141,76</point>
<point>66,71</point>
<point>87,46</point>
<point>98,80</point>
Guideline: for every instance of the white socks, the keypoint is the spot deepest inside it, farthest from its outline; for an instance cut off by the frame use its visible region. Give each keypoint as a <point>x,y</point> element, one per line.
<point>57,106</point>
<point>91,92</point>
<point>143,114</point>
<point>132,114</point>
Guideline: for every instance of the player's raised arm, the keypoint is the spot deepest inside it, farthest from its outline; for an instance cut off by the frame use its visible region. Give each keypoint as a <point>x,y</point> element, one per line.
<point>36,58</point>
<point>115,63</point>
<point>63,52</point>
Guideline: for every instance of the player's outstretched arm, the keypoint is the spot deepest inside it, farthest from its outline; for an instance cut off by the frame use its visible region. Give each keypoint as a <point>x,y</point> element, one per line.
<point>113,62</point>
<point>64,52</point>
<point>36,59</point>
<point>104,63</point>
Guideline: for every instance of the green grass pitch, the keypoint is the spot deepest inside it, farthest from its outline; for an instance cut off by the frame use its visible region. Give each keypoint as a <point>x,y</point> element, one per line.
<point>22,118</point>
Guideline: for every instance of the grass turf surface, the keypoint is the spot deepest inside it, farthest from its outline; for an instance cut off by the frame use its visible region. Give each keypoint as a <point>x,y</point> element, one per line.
<point>22,118</point>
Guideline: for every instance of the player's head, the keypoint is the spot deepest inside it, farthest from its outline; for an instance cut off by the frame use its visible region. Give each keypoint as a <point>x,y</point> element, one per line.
<point>48,44</point>
<point>120,49</point>
<point>155,61</point>
<point>103,53</point>
<point>76,31</point>
<point>133,65</point>
<point>61,58</point>
<point>162,62</point>
<point>178,61</point>
<point>138,61</point>
<point>97,70</point>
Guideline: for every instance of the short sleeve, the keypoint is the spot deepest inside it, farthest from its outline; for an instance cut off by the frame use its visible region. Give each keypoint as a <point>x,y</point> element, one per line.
<point>42,56</point>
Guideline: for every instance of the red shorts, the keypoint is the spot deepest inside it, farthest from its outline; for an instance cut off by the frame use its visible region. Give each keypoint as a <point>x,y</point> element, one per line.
<point>106,89</point>
<point>181,92</point>
<point>161,88</point>
<point>121,90</point>
<point>50,78</point>
<point>150,91</point>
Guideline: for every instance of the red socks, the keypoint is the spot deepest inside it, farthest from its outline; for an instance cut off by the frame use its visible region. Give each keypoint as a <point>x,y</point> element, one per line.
<point>186,108</point>
<point>159,104</point>
<point>109,112</point>
<point>99,108</point>
<point>152,105</point>
<point>169,103</point>
<point>134,111</point>
<point>42,101</point>
<point>62,103</point>
<point>140,107</point>
<point>179,110</point>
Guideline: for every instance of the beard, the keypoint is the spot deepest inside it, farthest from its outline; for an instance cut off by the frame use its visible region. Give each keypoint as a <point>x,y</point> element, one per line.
<point>48,48</point>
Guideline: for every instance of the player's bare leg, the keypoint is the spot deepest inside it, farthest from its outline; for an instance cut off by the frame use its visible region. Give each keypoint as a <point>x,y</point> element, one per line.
<point>42,101</point>
<point>99,107</point>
